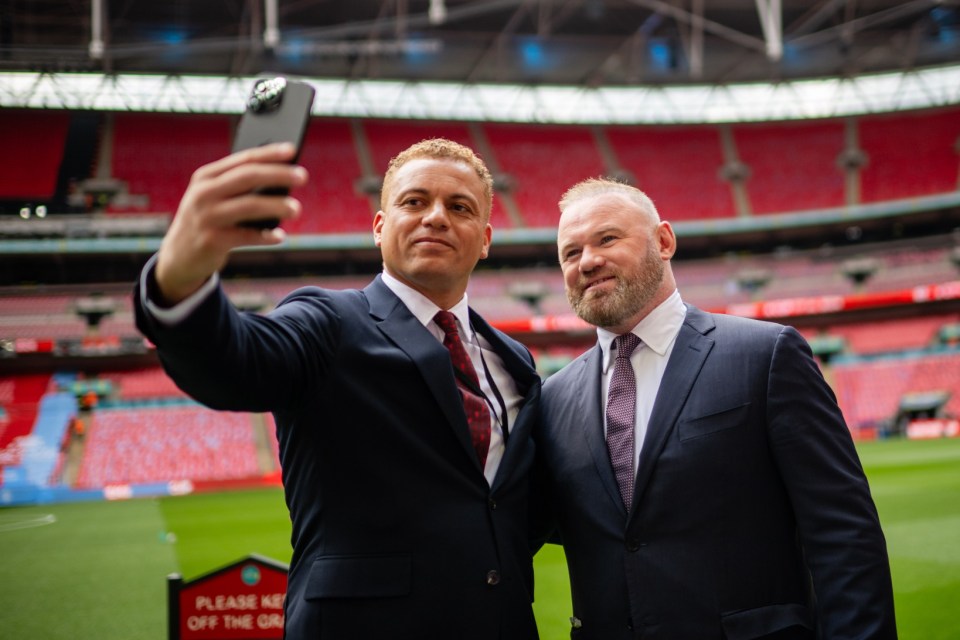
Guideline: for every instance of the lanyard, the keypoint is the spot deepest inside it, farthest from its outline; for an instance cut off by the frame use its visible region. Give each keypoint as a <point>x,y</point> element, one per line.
<point>502,417</point>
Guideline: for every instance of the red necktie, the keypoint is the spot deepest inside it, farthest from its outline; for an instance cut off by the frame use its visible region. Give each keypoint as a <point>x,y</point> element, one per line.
<point>478,413</point>
<point>621,415</point>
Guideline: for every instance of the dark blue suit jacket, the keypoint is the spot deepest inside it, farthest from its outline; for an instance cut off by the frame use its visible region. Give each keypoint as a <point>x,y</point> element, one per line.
<point>396,533</point>
<point>749,498</point>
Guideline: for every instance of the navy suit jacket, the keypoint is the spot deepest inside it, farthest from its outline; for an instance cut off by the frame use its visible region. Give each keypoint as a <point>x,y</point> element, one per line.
<point>396,532</point>
<point>751,515</point>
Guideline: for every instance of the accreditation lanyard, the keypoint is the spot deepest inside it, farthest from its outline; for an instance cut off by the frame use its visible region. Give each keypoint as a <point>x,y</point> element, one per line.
<point>502,418</point>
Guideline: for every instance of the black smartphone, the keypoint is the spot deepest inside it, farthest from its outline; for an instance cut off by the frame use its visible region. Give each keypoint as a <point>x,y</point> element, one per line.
<point>278,110</point>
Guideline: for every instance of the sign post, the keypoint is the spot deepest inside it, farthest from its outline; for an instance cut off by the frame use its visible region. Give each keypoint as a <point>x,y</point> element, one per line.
<point>241,601</point>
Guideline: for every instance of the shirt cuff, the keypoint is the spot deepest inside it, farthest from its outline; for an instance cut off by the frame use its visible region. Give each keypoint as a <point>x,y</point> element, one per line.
<point>179,312</point>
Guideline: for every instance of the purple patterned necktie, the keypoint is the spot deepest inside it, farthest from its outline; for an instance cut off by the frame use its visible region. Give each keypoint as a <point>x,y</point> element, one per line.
<point>478,413</point>
<point>621,415</point>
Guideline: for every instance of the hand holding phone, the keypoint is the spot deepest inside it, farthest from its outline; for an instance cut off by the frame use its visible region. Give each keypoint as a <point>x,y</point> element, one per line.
<point>278,110</point>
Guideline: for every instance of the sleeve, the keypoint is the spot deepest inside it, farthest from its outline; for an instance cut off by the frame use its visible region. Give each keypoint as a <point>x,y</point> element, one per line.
<point>839,528</point>
<point>179,312</point>
<point>231,360</point>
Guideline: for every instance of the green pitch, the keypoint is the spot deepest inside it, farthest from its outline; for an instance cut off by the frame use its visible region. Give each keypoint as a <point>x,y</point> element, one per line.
<point>98,570</point>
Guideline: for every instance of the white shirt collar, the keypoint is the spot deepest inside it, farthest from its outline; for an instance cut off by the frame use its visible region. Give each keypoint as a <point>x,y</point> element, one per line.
<point>657,330</point>
<point>422,307</point>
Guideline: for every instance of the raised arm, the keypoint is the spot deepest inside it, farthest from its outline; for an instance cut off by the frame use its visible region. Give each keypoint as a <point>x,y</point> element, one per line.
<point>219,197</point>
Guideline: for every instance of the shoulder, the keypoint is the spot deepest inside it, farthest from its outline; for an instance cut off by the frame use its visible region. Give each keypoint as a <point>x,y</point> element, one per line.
<point>572,374</point>
<point>744,336</point>
<point>726,326</point>
<point>319,293</point>
<point>318,305</point>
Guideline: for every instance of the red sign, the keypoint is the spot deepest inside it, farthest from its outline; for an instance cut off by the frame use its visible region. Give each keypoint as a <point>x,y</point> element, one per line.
<point>242,601</point>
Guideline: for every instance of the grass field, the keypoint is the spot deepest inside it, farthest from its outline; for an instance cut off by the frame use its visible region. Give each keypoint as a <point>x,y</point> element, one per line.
<point>98,570</point>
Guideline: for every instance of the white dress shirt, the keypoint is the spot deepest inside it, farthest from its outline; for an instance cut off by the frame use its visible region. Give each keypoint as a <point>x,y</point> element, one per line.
<point>658,333</point>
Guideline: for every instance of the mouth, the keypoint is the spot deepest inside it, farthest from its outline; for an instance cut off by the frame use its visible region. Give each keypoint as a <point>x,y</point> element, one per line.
<point>433,242</point>
<point>590,284</point>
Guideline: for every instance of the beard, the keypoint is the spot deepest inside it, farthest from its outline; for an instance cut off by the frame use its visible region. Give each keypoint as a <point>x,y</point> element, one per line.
<point>634,290</point>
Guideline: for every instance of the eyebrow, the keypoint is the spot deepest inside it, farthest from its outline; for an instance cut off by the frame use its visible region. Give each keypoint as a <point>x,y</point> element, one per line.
<point>410,191</point>
<point>453,196</point>
<point>598,233</point>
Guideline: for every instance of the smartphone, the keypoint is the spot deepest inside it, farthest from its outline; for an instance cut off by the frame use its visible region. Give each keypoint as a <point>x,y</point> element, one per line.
<point>278,110</point>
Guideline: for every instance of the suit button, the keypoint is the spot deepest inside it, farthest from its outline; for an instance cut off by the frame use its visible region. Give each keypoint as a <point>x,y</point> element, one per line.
<point>633,545</point>
<point>492,504</point>
<point>493,577</point>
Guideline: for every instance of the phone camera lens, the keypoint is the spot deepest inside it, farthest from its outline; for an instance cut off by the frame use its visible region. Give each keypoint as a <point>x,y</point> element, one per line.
<point>266,95</point>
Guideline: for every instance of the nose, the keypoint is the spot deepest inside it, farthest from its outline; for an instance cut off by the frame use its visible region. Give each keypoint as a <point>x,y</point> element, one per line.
<point>435,215</point>
<point>590,259</point>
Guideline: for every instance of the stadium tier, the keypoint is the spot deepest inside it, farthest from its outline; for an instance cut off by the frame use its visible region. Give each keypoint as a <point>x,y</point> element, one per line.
<point>888,336</point>
<point>702,172</point>
<point>508,294</point>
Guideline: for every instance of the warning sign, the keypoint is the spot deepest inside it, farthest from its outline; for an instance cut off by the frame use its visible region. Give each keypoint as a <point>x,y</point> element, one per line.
<point>242,601</point>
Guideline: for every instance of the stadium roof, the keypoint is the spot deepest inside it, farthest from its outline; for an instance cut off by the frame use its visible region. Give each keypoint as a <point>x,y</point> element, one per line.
<point>585,43</point>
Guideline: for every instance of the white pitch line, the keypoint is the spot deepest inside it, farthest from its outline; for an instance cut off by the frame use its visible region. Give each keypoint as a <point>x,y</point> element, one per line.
<point>38,521</point>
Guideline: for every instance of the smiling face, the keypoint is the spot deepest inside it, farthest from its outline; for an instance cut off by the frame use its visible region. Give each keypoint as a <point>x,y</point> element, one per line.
<point>434,227</point>
<point>615,259</point>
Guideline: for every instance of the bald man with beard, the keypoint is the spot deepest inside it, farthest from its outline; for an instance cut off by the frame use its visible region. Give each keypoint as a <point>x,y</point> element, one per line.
<point>697,468</point>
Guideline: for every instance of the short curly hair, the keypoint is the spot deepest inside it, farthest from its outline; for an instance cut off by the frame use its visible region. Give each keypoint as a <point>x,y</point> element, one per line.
<point>441,149</point>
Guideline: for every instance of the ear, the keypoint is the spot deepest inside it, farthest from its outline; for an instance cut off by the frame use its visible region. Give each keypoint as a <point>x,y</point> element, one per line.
<point>377,228</point>
<point>487,236</point>
<point>667,240</point>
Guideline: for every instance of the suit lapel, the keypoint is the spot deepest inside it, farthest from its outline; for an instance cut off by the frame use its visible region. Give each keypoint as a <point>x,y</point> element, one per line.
<point>527,381</point>
<point>401,327</point>
<point>518,368</point>
<point>689,353</point>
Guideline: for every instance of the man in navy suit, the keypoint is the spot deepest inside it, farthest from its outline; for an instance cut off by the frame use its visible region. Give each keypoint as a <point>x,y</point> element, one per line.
<point>404,527</point>
<point>716,492</point>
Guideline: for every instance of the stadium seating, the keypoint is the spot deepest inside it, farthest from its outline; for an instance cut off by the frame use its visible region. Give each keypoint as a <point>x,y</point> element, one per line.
<point>38,138</point>
<point>678,167</point>
<point>792,166</point>
<point>331,201</point>
<point>41,451</point>
<point>20,398</point>
<point>869,392</point>
<point>888,336</point>
<point>543,162</point>
<point>157,153</point>
<point>53,315</point>
<point>910,155</point>
<point>386,138</point>
<point>158,444</point>
<point>142,384</point>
